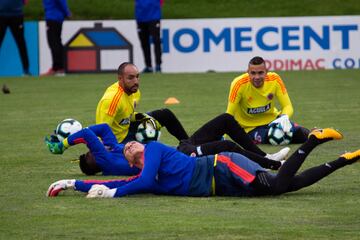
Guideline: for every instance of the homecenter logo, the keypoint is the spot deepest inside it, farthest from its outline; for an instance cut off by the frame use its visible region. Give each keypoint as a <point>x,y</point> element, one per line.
<point>221,45</point>
<point>291,43</point>
<point>246,39</point>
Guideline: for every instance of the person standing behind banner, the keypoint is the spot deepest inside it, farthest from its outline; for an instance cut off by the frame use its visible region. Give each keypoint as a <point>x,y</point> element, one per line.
<point>12,16</point>
<point>55,13</point>
<point>148,16</point>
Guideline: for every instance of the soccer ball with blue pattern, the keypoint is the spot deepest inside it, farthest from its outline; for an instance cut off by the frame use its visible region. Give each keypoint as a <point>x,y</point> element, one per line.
<point>277,136</point>
<point>147,132</point>
<point>67,127</point>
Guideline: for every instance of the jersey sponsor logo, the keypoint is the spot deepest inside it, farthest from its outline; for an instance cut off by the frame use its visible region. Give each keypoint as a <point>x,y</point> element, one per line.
<point>125,121</point>
<point>258,110</point>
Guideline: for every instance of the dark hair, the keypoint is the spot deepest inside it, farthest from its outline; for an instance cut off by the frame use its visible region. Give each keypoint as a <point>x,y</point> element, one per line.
<point>88,164</point>
<point>256,61</point>
<point>122,66</point>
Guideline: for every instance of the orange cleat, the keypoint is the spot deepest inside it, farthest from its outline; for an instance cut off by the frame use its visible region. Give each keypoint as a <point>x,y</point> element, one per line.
<point>352,156</point>
<point>326,133</point>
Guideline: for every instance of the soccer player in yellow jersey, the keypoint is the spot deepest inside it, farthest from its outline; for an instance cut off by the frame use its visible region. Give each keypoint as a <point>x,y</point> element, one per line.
<point>252,102</point>
<point>118,104</point>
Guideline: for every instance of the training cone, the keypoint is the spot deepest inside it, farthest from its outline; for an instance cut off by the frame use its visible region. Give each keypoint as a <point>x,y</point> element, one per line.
<point>171,100</point>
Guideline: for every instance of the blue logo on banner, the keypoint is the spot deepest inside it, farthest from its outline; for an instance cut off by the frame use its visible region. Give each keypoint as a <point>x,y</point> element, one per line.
<point>245,39</point>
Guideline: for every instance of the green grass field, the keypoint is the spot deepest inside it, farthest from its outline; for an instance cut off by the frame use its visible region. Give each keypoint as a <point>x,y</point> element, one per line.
<point>175,9</point>
<point>327,210</point>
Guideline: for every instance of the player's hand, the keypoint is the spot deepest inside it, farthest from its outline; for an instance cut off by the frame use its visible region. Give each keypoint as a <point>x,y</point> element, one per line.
<point>100,191</point>
<point>143,117</point>
<point>284,122</point>
<point>53,146</point>
<point>54,138</point>
<point>59,186</point>
<point>152,121</point>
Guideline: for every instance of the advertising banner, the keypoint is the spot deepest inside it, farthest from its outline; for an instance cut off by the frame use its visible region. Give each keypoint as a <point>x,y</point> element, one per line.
<point>220,45</point>
<point>10,61</point>
<point>292,43</point>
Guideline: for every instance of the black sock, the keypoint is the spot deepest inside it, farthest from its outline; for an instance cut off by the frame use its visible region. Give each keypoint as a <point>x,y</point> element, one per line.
<point>339,163</point>
<point>300,135</point>
<point>238,134</point>
<point>314,174</point>
<point>168,119</point>
<point>229,146</point>
<point>288,170</point>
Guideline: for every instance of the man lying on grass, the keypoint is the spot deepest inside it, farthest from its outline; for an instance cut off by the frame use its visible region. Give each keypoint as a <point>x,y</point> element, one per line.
<point>106,155</point>
<point>167,171</point>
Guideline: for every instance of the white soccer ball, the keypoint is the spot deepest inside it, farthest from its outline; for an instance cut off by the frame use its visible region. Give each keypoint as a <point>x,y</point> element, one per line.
<point>67,127</point>
<point>147,132</point>
<point>277,136</point>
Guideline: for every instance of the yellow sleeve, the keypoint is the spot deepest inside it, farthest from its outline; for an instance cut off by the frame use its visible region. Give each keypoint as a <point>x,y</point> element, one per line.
<point>233,99</point>
<point>231,108</point>
<point>102,115</point>
<point>285,102</point>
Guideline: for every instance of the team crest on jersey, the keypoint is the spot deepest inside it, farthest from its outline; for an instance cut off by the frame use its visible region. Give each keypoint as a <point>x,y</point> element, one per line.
<point>135,104</point>
<point>257,138</point>
<point>250,99</point>
<point>125,121</point>
<point>258,110</point>
<point>270,96</point>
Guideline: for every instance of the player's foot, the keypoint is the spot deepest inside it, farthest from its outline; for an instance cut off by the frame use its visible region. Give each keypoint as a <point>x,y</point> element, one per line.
<point>158,69</point>
<point>147,70</point>
<point>352,156</point>
<point>52,72</point>
<point>326,134</point>
<point>60,73</point>
<point>59,186</point>
<point>280,155</point>
<point>26,73</point>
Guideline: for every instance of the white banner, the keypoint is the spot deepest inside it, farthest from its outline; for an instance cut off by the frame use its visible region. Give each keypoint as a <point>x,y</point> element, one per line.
<point>200,45</point>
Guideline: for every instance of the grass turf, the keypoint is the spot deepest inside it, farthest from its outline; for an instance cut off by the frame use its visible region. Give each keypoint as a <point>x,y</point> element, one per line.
<point>179,9</point>
<point>326,210</point>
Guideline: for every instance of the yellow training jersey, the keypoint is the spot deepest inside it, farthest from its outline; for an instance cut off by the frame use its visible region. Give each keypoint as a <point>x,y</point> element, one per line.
<point>116,108</point>
<point>253,107</point>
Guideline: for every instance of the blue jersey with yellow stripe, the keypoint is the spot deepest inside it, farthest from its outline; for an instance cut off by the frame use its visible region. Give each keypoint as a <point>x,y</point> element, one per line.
<point>108,153</point>
<point>170,172</point>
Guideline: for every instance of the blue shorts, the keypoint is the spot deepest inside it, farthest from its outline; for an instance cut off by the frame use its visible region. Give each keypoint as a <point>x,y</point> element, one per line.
<point>233,174</point>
